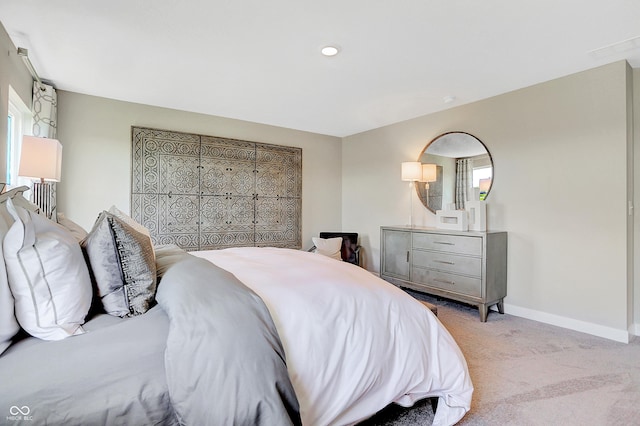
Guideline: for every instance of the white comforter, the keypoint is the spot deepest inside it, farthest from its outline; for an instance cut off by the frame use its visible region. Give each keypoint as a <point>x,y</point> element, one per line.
<point>353,342</point>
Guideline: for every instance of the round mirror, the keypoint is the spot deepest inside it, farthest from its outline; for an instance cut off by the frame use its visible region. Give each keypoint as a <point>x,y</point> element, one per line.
<point>457,168</point>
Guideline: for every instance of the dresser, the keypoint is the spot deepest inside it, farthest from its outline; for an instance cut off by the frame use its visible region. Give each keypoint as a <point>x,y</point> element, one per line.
<point>470,267</point>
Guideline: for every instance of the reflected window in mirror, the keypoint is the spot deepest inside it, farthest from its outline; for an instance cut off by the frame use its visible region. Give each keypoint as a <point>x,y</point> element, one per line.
<point>464,171</point>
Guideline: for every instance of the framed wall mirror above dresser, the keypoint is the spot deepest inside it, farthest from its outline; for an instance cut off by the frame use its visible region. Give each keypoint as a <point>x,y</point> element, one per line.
<point>464,171</point>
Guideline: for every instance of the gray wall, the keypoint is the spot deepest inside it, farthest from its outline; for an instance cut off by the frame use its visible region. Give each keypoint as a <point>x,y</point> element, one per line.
<point>96,168</point>
<point>560,190</point>
<point>14,73</point>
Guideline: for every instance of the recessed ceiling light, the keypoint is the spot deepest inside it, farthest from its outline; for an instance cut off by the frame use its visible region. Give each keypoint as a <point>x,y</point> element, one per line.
<point>448,99</point>
<point>329,51</point>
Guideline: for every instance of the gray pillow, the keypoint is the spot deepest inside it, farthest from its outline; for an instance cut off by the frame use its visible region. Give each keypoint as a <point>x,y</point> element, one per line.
<point>123,266</point>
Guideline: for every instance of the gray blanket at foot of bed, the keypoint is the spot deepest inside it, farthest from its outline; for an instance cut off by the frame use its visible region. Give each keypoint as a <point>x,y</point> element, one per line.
<point>224,360</point>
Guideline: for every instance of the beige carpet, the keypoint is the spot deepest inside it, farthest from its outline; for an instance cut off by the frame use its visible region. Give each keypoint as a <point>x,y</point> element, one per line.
<point>528,373</point>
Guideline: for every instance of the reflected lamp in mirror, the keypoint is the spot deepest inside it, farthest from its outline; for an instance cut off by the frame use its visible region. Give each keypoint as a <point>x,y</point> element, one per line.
<point>429,174</point>
<point>41,160</point>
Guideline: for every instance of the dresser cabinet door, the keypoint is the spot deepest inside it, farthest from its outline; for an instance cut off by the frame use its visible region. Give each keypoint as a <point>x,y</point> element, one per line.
<point>396,250</point>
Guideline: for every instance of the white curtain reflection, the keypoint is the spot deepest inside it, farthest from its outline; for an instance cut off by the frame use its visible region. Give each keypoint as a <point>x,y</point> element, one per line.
<point>464,181</point>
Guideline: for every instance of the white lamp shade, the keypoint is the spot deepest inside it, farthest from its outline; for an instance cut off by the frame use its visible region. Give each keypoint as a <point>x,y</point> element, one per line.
<point>40,158</point>
<point>429,173</point>
<point>412,170</point>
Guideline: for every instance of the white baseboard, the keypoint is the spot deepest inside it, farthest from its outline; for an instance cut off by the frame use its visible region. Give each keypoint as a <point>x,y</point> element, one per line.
<point>570,323</point>
<point>634,329</point>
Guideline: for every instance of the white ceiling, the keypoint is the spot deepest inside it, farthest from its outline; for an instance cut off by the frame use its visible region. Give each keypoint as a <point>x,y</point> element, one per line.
<point>260,60</point>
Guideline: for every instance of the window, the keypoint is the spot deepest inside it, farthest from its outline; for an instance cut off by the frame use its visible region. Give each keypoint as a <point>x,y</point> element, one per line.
<point>19,123</point>
<point>481,173</point>
<point>9,146</point>
<point>482,180</point>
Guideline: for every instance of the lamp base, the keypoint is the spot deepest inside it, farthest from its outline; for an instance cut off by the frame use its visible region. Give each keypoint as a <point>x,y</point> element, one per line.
<point>410,204</point>
<point>43,194</point>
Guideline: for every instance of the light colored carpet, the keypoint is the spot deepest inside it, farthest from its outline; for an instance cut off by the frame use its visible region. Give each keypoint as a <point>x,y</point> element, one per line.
<point>528,373</point>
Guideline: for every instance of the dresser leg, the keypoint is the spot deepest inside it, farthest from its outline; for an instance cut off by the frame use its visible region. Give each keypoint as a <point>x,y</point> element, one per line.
<point>501,306</point>
<point>483,309</point>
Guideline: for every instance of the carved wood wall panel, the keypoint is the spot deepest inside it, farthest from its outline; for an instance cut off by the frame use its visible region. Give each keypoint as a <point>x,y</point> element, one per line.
<point>204,192</point>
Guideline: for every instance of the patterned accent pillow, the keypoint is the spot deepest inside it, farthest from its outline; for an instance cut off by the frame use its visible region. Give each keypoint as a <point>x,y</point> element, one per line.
<point>129,221</point>
<point>123,265</point>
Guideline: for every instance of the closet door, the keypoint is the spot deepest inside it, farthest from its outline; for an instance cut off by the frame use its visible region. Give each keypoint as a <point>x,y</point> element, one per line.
<point>278,196</point>
<point>227,188</point>
<point>165,185</point>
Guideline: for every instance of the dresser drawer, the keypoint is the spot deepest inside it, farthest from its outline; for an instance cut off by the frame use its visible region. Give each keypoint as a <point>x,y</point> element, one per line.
<point>456,283</point>
<point>448,262</point>
<point>448,243</point>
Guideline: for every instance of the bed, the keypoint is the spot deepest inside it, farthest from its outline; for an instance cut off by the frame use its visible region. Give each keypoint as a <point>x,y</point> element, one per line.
<point>255,336</point>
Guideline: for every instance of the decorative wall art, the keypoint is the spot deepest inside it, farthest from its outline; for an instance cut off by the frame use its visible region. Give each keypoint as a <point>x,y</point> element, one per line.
<point>205,192</point>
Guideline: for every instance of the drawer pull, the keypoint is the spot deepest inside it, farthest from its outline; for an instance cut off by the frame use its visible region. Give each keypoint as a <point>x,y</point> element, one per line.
<point>444,281</point>
<point>445,262</point>
<point>444,243</point>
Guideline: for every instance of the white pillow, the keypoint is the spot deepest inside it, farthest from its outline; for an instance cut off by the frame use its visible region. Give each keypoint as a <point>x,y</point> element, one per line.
<point>328,246</point>
<point>76,230</point>
<point>9,326</point>
<point>47,274</point>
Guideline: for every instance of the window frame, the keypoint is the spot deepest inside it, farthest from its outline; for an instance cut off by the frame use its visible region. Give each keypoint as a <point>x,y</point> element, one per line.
<point>20,122</point>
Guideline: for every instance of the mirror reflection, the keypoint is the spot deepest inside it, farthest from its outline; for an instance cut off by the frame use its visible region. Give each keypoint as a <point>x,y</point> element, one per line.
<point>457,167</point>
